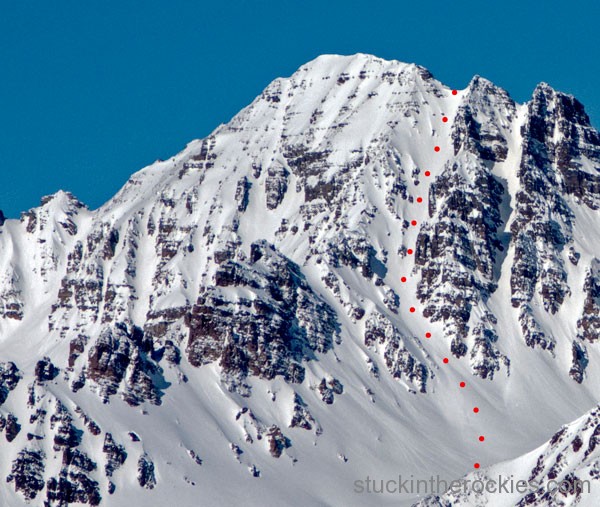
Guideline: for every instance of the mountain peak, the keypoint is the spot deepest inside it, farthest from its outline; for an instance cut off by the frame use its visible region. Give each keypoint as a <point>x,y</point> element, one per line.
<point>61,199</point>
<point>358,236</point>
<point>340,68</point>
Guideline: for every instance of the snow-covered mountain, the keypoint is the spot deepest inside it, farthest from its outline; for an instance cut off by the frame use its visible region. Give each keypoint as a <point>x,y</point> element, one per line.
<point>563,471</point>
<point>291,304</point>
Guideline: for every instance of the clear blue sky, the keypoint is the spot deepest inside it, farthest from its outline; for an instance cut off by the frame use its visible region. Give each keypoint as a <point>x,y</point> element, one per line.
<point>91,91</point>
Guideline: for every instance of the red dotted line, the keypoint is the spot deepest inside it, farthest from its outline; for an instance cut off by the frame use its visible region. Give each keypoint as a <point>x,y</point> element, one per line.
<point>412,309</point>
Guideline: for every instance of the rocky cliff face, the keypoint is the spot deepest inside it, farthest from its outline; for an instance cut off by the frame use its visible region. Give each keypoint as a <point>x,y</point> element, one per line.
<point>246,299</point>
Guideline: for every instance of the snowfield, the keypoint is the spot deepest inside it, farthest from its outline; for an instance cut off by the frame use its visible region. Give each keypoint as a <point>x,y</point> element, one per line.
<point>235,317</point>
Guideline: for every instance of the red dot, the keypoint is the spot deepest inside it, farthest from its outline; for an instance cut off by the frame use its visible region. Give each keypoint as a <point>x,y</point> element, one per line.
<point>437,148</point>
<point>413,309</point>
<point>462,384</point>
<point>427,335</point>
<point>419,199</point>
<point>413,223</point>
<point>409,251</point>
<point>481,438</point>
<point>454,92</point>
<point>427,173</point>
<point>475,409</point>
<point>444,119</point>
<point>446,360</point>
<point>403,279</point>
<point>476,465</point>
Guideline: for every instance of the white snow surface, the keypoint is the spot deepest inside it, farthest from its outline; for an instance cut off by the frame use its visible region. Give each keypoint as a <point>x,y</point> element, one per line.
<point>396,430</point>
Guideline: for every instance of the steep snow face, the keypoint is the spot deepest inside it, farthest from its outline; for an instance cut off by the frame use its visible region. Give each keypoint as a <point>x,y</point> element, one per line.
<point>563,471</point>
<point>238,318</point>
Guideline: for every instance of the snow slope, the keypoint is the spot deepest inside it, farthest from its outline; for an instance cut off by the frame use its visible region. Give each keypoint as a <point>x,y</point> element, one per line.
<point>243,302</point>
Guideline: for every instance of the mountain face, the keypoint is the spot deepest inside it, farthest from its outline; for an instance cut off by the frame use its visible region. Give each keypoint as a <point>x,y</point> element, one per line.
<point>569,462</point>
<point>264,317</point>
